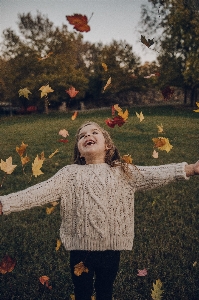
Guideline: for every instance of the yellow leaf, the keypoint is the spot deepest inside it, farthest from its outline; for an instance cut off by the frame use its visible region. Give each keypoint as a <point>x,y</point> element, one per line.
<point>195,263</point>
<point>64,133</point>
<point>24,92</point>
<point>74,116</point>
<point>72,297</point>
<point>56,151</point>
<point>122,114</point>
<point>160,128</point>
<point>49,210</point>
<point>36,166</point>
<point>108,83</point>
<point>127,158</point>
<point>80,268</point>
<point>55,203</point>
<point>117,108</point>
<point>155,154</point>
<point>45,89</point>
<point>197,110</point>
<point>58,245</point>
<point>140,116</point>
<point>157,290</point>
<point>104,67</point>
<point>20,150</point>
<point>162,144</point>
<point>7,165</point>
<point>24,160</point>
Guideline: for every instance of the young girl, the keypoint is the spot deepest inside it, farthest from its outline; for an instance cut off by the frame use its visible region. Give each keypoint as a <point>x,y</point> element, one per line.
<point>97,206</point>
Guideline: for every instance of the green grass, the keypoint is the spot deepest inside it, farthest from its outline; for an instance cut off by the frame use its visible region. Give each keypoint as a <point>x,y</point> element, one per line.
<point>166,220</point>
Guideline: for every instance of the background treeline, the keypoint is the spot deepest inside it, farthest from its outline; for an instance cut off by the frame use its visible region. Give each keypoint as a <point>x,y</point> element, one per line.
<point>174,25</point>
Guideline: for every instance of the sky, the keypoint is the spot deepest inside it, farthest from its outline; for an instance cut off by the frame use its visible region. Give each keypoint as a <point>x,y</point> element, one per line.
<point>112,19</point>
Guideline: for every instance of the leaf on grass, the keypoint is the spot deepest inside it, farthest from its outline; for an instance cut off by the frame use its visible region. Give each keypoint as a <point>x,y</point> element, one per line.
<point>197,110</point>
<point>7,264</point>
<point>49,210</point>
<point>72,92</point>
<point>52,154</point>
<point>58,245</point>
<point>107,84</point>
<point>7,165</point>
<point>24,160</point>
<point>20,150</point>
<point>142,272</point>
<point>104,67</point>
<point>155,154</point>
<point>45,281</point>
<point>36,166</point>
<point>140,116</point>
<point>45,89</point>
<point>162,144</point>
<point>157,290</point>
<point>115,121</point>
<point>167,92</point>
<point>74,116</point>
<point>146,42</point>
<point>79,22</point>
<point>64,133</point>
<point>80,268</point>
<point>24,92</point>
<point>127,158</point>
<point>160,128</point>
<point>63,141</point>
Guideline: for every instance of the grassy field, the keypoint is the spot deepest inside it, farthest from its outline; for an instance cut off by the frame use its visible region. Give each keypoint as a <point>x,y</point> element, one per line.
<point>166,220</point>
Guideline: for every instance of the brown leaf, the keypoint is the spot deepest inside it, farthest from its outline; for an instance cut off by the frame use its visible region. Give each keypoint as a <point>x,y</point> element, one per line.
<point>80,268</point>
<point>7,264</point>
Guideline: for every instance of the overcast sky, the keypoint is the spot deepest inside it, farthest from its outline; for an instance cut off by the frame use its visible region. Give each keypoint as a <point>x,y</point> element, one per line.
<point>112,19</point>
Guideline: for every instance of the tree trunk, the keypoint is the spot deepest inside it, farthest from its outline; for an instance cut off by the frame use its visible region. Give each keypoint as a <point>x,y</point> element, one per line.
<point>185,96</point>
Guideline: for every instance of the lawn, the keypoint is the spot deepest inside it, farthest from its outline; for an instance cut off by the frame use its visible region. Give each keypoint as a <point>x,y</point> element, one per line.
<point>166,219</point>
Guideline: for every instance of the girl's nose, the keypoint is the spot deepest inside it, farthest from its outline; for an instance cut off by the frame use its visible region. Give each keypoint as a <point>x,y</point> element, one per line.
<point>87,134</point>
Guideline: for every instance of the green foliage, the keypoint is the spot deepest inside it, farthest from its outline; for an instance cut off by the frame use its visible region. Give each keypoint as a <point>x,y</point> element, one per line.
<point>166,219</point>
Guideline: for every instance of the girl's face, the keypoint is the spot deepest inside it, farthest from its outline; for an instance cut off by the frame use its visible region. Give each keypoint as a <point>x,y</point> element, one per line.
<point>91,144</point>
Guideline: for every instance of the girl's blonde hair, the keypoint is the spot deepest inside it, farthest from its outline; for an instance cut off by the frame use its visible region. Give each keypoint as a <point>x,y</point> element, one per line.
<point>112,156</point>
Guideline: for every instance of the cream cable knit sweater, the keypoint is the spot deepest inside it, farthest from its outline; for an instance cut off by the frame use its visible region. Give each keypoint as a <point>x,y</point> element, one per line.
<point>97,202</point>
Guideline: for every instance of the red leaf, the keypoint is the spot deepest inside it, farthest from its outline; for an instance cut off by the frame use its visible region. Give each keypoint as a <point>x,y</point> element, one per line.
<point>115,121</point>
<point>63,141</point>
<point>7,264</point>
<point>79,21</point>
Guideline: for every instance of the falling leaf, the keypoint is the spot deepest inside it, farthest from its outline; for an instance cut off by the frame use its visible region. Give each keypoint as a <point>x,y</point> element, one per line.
<point>20,150</point>
<point>58,245</point>
<point>80,268</point>
<point>45,281</point>
<point>162,144</point>
<point>49,210</point>
<point>74,116</point>
<point>45,57</point>
<point>127,158</point>
<point>107,84</point>
<point>64,133</point>
<point>104,67</point>
<point>72,92</point>
<point>52,154</point>
<point>7,264</point>
<point>140,116</point>
<point>197,110</point>
<point>36,166</point>
<point>79,22</point>
<point>142,272</point>
<point>160,128</point>
<point>24,92</point>
<point>146,42</point>
<point>45,89</point>
<point>24,160</point>
<point>115,121</point>
<point>157,290</point>
<point>155,154</point>
<point>195,263</point>
<point>7,165</point>
<point>167,92</point>
<point>122,114</point>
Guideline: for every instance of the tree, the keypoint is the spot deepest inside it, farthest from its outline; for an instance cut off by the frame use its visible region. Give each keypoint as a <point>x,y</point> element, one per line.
<point>178,42</point>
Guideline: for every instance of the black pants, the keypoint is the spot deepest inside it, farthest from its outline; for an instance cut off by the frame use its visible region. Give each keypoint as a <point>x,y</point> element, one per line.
<point>104,264</point>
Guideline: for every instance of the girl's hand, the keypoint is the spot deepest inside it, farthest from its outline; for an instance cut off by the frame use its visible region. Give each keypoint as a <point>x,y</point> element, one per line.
<point>1,208</point>
<point>192,169</point>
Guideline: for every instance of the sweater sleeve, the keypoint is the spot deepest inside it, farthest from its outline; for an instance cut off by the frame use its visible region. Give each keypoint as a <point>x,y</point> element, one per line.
<point>36,195</point>
<point>155,176</point>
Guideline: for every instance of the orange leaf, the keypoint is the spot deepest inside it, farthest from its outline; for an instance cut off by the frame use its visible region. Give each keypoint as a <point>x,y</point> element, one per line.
<point>45,281</point>
<point>7,264</point>
<point>24,160</point>
<point>80,268</point>
<point>74,116</point>
<point>72,92</point>
<point>127,158</point>
<point>79,21</point>
<point>20,150</point>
